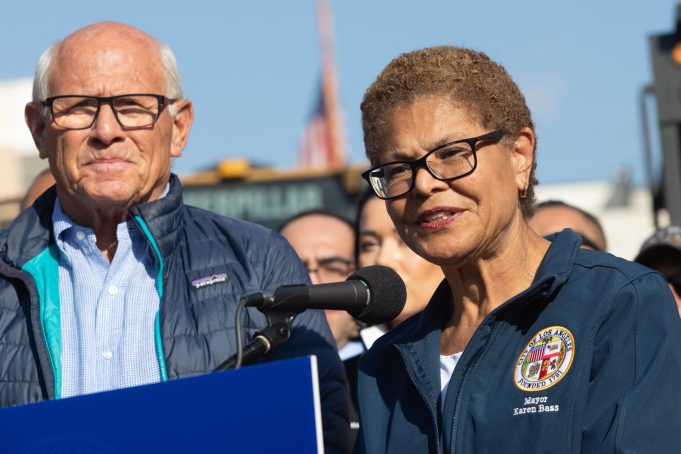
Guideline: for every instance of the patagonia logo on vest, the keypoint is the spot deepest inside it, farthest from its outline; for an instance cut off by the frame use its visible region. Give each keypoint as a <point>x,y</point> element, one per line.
<point>209,280</point>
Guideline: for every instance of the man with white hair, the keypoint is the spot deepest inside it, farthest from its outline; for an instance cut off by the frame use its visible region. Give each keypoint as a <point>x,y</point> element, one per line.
<point>108,280</point>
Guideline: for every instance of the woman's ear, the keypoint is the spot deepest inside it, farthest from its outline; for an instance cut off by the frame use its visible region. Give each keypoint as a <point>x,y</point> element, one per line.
<point>523,157</point>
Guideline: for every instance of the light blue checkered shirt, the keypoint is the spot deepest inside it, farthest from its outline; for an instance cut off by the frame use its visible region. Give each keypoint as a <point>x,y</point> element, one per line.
<point>107,309</point>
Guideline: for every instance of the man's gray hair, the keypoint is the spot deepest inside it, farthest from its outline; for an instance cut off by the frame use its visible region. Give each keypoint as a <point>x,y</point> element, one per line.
<point>41,81</point>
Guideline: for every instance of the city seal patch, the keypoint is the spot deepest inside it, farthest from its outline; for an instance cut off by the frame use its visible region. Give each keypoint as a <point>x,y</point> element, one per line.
<point>545,360</point>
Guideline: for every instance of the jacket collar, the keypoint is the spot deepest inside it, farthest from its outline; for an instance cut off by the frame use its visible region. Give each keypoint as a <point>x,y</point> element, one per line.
<point>419,340</point>
<point>552,273</point>
<point>557,264</point>
<point>163,217</point>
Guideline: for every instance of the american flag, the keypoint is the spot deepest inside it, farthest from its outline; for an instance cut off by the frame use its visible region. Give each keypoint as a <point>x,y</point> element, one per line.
<point>317,147</point>
<point>537,354</point>
<point>322,144</point>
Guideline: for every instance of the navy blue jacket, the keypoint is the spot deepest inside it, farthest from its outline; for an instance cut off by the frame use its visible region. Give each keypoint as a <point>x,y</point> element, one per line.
<point>195,324</point>
<point>586,360</point>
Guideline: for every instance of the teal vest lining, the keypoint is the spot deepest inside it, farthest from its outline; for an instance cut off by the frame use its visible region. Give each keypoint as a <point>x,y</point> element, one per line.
<point>44,268</point>
<point>159,289</point>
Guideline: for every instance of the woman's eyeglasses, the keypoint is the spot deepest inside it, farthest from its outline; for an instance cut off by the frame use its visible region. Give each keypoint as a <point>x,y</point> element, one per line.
<point>447,162</point>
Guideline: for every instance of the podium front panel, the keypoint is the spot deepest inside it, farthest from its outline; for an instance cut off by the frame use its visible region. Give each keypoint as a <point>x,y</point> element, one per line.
<point>266,408</point>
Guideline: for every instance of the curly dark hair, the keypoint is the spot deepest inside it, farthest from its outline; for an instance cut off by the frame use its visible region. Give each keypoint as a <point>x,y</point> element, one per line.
<point>469,78</point>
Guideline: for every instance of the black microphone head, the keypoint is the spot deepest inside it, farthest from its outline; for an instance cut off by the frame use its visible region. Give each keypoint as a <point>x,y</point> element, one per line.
<point>388,294</point>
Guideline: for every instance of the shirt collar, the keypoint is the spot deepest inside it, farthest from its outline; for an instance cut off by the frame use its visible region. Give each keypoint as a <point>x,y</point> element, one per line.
<point>61,222</point>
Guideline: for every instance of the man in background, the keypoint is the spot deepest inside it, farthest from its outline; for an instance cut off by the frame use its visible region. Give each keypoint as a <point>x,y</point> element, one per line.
<point>325,243</point>
<point>553,216</point>
<point>662,252</point>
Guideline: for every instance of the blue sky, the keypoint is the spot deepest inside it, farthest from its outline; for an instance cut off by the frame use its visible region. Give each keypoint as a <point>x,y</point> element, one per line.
<point>252,68</point>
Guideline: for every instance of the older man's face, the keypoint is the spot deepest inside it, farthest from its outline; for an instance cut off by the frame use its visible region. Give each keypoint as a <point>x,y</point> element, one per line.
<point>107,165</point>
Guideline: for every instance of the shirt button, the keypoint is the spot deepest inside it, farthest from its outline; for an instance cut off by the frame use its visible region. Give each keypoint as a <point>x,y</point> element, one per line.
<point>80,235</point>
<point>112,290</point>
<point>107,354</point>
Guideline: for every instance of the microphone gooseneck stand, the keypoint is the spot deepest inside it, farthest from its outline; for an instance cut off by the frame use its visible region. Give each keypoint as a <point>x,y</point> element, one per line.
<point>379,284</point>
<point>264,341</point>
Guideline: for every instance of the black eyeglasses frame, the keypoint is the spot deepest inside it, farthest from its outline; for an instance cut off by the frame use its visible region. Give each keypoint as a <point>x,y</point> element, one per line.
<point>163,101</point>
<point>421,162</point>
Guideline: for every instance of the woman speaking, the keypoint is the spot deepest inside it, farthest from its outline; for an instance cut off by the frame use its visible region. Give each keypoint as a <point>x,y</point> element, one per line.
<point>529,345</point>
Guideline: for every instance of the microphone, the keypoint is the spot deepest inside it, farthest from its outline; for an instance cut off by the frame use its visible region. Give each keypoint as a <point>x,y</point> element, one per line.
<point>373,295</point>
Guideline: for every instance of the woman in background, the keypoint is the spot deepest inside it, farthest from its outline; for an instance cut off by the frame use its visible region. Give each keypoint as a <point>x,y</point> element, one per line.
<point>378,243</point>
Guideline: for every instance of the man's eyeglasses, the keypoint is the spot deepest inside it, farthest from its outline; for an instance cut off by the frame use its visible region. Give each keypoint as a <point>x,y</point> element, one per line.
<point>332,269</point>
<point>447,162</point>
<point>131,111</point>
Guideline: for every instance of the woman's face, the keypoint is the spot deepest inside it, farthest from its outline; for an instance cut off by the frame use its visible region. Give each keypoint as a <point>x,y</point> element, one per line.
<point>454,222</point>
<point>379,244</point>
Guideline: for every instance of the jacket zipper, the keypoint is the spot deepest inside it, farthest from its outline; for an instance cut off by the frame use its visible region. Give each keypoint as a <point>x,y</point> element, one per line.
<point>455,419</point>
<point>459,393</point>
<point>159,289</point>
<point>433,418</point>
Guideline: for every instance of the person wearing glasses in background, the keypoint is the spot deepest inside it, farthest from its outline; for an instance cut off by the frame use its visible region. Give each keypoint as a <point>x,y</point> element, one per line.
<point>108,280</point>
<point>528,345</point>
<point>324,241</point>
<point>662,252</point>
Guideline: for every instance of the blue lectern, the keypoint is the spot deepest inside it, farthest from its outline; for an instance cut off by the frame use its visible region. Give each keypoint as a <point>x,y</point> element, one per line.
<point>267,408</point>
